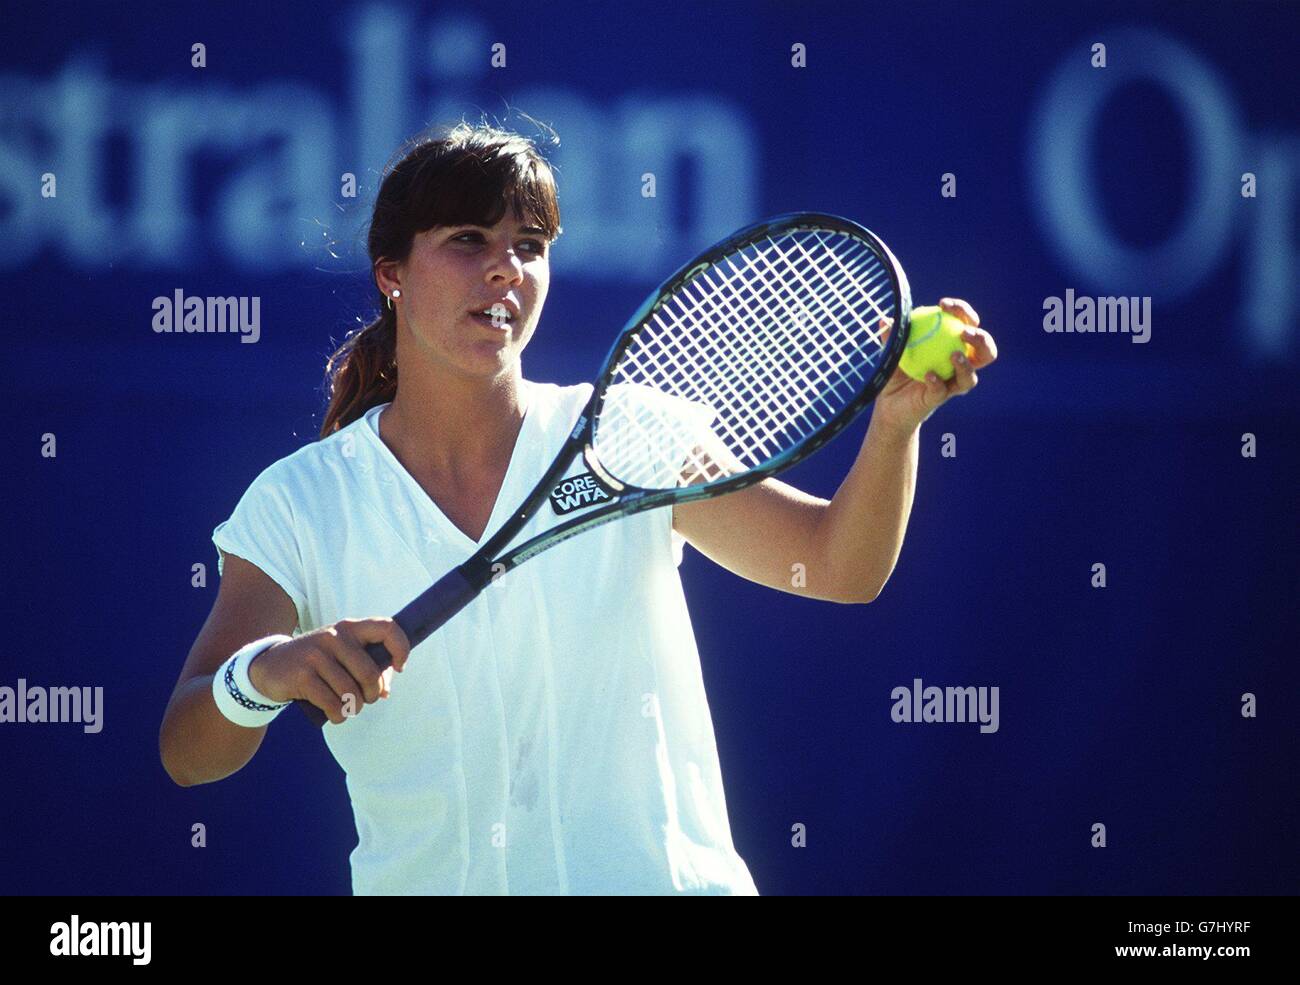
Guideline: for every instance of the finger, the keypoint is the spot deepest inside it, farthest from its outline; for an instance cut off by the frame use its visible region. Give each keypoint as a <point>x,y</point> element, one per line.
<point>961,309</point>
<point>361,635</point>
<point>965,378</point>
<point>936,390</point>
<point>332,668</point>
<point>319,693</point>
<point>385,683</point>
<point>351,670</point>
<point>886,327</point>
<point>986,350</point>
<point>363,669</point>
<point>398,646</point>
<point>384,632</point>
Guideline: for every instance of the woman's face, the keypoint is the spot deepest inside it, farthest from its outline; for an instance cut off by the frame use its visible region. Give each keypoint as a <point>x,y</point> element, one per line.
<point>453,272</point>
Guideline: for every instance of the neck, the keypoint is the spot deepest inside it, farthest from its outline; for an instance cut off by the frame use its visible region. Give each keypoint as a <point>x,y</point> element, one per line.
<point>455,426</point>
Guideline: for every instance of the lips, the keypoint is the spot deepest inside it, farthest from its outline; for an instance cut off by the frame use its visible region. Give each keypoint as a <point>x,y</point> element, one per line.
<point>502,328</point>
<point>510,307</point>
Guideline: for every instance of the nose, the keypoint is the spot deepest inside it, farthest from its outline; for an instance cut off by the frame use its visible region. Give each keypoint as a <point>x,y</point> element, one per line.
<point>506,266</point>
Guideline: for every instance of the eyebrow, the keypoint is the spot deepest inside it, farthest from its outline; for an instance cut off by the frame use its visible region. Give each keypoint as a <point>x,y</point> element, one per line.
<point>533,230</point>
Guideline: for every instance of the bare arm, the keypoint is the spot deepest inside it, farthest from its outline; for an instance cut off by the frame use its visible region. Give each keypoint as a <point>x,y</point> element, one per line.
<point>841,550</point>
<point>328,667</point>
<point>847,547</point>
<point>198,744</point>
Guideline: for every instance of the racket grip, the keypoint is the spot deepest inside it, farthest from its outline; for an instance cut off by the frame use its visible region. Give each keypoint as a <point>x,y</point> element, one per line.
<point>419,620</point>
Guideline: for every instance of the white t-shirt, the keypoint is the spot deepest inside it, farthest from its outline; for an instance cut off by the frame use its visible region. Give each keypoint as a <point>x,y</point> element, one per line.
<point>553,736</point>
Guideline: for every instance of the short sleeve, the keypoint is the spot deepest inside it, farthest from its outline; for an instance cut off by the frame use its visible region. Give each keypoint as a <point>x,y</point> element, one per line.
<point>679,542</point>
<point>646,437</point>
<point>261,530</point>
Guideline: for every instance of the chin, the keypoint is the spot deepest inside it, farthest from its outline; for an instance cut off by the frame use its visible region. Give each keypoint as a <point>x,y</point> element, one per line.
<point>492,360</point>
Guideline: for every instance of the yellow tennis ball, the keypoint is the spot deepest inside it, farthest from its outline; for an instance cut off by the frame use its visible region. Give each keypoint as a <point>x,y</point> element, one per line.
<point>934,337</point>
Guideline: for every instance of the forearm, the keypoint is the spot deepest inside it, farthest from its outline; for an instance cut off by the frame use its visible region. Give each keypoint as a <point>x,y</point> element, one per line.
<point>197,743</point>
<point>861,530</point>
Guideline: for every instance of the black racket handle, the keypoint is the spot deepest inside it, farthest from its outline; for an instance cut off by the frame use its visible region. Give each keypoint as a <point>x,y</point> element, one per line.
<point>419,620</point>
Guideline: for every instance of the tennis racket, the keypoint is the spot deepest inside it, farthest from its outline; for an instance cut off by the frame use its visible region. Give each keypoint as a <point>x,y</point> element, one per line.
<point>742,363</point>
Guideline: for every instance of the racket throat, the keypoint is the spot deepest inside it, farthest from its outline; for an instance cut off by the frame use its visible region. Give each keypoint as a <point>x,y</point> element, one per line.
<point>612,484</point>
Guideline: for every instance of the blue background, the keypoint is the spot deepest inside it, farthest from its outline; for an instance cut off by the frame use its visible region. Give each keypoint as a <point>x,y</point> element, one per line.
<point>1118,705</point>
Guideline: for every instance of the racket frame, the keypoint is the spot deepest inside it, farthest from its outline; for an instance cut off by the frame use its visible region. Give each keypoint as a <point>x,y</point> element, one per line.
<point>634,499</point>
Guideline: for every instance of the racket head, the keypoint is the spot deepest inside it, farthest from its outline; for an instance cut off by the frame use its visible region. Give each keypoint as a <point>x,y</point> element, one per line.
<point>803,295</point>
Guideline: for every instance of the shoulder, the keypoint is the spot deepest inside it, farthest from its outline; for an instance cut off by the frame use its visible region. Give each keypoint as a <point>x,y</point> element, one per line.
<point>304,474</point>
<point>559,395</point>
<point>555,404</point>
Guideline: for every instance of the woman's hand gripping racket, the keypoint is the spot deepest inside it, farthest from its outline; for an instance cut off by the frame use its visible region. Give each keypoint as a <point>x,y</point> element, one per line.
<point>744,362</point>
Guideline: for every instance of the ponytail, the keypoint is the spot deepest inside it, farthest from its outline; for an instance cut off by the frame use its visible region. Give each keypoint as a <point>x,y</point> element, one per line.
<point>362,373</point>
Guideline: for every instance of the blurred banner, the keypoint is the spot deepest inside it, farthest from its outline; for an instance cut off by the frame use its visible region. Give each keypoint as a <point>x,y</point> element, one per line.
<point>1112,186</point>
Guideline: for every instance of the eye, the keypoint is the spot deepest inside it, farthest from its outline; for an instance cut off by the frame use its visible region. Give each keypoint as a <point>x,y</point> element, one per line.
<point>536,246</point>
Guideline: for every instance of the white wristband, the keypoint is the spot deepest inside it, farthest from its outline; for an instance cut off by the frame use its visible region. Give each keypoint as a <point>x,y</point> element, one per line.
<point>234,693</point>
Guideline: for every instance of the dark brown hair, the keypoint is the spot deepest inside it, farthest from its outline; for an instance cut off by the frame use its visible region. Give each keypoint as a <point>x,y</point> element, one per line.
<point>464,175</point>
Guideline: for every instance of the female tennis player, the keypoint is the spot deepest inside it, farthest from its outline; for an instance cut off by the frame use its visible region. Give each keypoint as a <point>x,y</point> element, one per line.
<point>554,736</point>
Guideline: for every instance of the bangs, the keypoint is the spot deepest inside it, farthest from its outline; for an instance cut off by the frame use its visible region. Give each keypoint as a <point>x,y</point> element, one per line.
<point>478,184</point>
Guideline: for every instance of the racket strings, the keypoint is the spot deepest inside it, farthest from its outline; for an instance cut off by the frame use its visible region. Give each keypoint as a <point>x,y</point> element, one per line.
<point>748,359</point>
<point>838,350</point>
<point>780,359</point>
<point>835,348</point>
<point>783,296</point>
<point>765,355</point>
<point>765,365</point>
